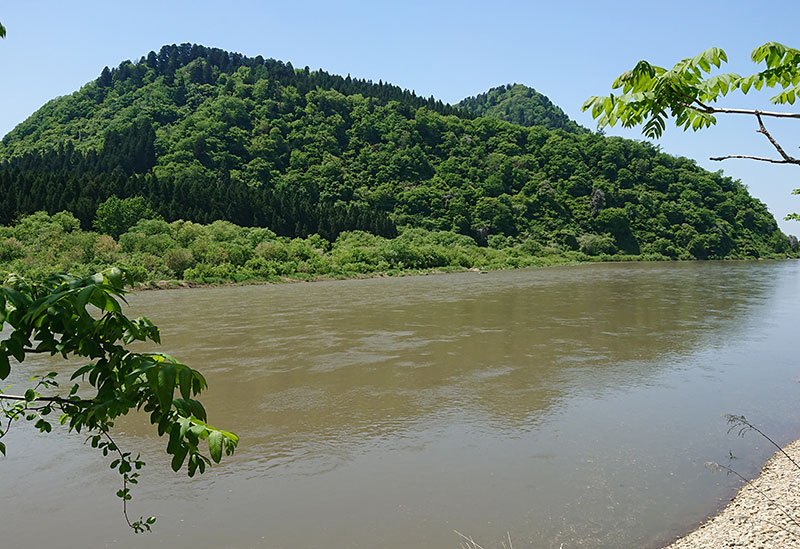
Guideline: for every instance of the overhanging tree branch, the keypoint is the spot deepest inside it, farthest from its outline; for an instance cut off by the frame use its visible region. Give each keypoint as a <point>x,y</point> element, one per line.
<point>715,110</point>
<point>763,130</point>
<point>54,400</point>
<point>759,158</point>
<point>63,310</point>
<point>650,94</point>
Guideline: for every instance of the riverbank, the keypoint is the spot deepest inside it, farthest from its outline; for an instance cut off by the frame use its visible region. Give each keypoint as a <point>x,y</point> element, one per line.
<point>222,253</point>
<point>187,284</point>
<point>765,512</point>
<point>177,284</point>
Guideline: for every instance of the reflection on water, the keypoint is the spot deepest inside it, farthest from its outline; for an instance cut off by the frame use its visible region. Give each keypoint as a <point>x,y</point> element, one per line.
<point>569,405</point>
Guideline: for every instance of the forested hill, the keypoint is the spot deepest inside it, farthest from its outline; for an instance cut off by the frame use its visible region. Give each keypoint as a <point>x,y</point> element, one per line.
<point>521,105</point>
<point>204,134</point>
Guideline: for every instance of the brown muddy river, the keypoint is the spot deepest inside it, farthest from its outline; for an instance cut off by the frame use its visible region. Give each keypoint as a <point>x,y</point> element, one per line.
<point>570,406</point>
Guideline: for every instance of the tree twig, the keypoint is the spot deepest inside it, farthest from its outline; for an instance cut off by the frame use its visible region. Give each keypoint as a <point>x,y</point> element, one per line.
<point>763,130</point>
<point>763,494</point>
<point>56,400</point>
<point>124,476</point>
<point>712,110</point>
<point>762,159</point>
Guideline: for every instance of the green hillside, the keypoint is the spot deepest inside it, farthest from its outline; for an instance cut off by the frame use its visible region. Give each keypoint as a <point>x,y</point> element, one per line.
<point>207,135</point>
<point>521,105</point>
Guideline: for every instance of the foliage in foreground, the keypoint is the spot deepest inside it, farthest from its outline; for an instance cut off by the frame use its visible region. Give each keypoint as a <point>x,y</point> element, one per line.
<point>82,317</point>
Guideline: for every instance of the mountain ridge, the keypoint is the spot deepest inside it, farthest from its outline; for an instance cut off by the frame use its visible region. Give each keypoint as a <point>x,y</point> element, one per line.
<point>204,134</point>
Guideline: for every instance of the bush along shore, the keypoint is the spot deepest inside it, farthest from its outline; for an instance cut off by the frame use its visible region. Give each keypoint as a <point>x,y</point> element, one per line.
<point>153,250</point>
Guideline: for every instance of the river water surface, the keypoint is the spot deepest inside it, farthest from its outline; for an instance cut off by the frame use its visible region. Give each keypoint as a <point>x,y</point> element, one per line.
<point>568,405</point>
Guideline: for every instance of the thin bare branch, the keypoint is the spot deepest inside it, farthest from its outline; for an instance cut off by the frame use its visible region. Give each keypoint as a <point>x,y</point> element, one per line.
<point>753,112</point>
<point>57,400</point>
<point>752,485</point>
<point>763,130</point>
<point>762,159</point>
<point>703,107</point>
<point>742,426</point>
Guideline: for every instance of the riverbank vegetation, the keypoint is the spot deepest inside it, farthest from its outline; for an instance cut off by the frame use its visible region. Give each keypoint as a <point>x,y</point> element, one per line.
<point>153,250</point>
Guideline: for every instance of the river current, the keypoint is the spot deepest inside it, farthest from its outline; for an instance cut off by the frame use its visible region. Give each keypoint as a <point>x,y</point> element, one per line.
<point>569,405</point>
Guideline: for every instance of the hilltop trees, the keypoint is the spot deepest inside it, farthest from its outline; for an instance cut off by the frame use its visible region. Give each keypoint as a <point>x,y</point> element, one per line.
<point>206,135</point>
<point>521,105</point>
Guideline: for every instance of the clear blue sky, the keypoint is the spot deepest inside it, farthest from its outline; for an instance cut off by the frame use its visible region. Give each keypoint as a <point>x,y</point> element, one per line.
<point>566,50</point>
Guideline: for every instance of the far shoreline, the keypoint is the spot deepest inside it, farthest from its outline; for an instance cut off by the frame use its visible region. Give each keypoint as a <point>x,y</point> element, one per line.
<point>182,284</point>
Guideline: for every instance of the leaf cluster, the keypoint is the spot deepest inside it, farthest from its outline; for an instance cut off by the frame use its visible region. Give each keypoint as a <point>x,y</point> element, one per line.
<point>651,94</point>
<point>82,317</point>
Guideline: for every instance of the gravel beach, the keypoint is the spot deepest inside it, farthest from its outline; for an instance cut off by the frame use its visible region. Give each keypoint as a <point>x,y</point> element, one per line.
<point>750,519</point>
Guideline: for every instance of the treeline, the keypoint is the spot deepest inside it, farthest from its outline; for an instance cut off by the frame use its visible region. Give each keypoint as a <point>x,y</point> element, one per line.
<point>153,250</point>
<point>289,210</point>
<point>205,135</point>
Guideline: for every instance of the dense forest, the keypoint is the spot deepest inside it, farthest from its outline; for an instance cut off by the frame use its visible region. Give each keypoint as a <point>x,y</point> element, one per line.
<point>521,105</point>
<point>204,135</point>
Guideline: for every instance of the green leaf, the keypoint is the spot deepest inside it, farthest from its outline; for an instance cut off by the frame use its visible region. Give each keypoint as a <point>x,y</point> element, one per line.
<point>177,459</point>
<point>185,377</point>
<point>185,424</point>
<point>215,445</point>
<point>83,298</point>
<point>5,366</point>
<point>2,448</point>
<point>175,440</point>
<point>18,299</point>
<point>30,395</point>
<point>166,385</point>
<point>82,370</point>
<point>15,348</point>
<point>197,409</point>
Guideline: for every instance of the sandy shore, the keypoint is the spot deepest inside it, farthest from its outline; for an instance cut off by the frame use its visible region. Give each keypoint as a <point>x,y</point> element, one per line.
<point>751,519</point>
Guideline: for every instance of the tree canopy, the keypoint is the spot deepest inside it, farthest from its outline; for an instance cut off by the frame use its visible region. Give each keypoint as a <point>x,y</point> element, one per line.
<point>115,216</point>
<point>521,105</point>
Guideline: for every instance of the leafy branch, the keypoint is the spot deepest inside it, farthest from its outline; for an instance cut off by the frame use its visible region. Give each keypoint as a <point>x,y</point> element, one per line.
<point>651,94</point>
<point>82,317</point>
